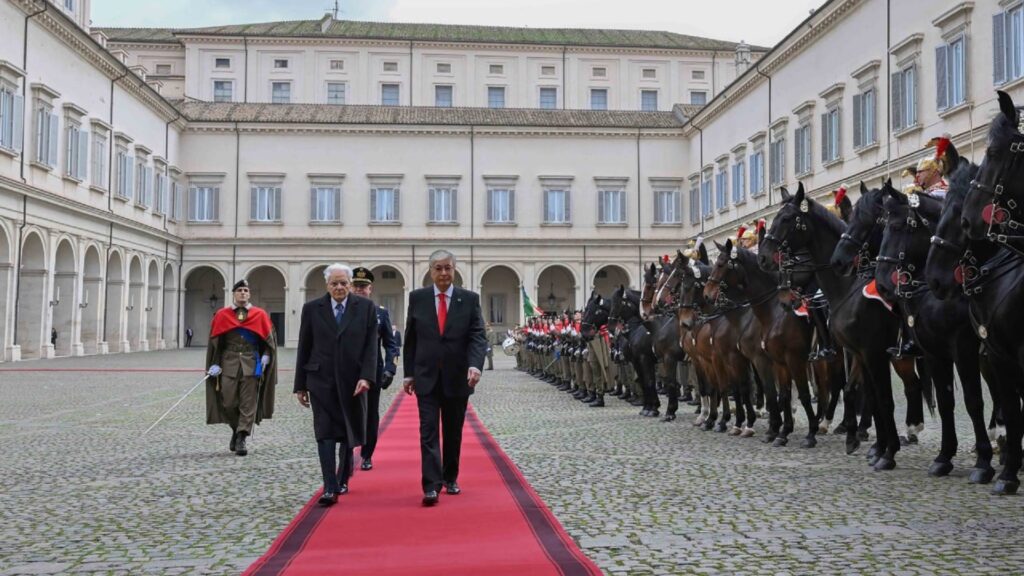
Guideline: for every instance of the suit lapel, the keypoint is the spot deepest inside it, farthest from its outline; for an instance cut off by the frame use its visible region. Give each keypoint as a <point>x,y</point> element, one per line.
<point>453,305</point>
<point>347,317</point>
<point>327,310</point>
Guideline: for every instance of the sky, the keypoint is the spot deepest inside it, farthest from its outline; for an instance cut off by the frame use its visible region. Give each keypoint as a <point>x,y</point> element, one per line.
<point>757,22</point>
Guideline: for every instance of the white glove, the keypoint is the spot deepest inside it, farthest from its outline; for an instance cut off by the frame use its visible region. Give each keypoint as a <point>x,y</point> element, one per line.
<point>264,360</point>
<point>214,370</point>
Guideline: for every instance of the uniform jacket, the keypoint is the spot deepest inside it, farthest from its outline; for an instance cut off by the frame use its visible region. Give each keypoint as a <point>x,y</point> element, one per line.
<point>330,359</point>
<point>233,364</point>
<point>385,360</point>
<point>443,360</point>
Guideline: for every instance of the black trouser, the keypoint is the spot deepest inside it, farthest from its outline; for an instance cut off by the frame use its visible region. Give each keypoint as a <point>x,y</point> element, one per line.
<point>333,477</point>
<point>437,408</point>
<point>372,422</point>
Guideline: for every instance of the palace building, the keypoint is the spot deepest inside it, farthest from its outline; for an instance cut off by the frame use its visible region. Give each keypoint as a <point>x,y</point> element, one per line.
<point>143,171</point>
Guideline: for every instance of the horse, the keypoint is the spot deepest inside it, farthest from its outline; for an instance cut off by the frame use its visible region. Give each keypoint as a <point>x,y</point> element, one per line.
<point>664,332</point>
<point>625,313</point>
<point>785,338</point>
<point>856,253</point>
<point>992,276</point>
<point>864,327</point>
<point>941,327</point>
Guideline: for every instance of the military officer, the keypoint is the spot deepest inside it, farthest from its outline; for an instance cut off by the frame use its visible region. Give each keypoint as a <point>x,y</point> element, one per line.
<point>241,360</point>
<point>362,285</point>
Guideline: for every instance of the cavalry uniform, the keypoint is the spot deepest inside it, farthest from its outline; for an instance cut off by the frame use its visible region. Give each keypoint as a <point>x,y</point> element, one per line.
<point>599,364</point>
<point>241,394</point>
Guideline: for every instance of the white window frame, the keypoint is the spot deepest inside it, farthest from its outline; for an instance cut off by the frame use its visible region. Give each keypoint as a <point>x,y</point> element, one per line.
<point>831,130</point>
<point>385,87</point>
<point>124,170</point>
<point>652,76</point>
<point>777,169</point>
<point>757,172</point>
<point>340,64</point>
<point>951,73</point>
<point>1008,44</point>
<point>47,126</point>
<point>389,66</point>
<point>904,98</point>
<point>496,69</point>
<point>203,202</point>
<point>100,155</point>
<point>540,98</point>
<point>557,200</point>
<point>12,118</point>
<point>611,201</point>
<point>76,150</point>
<point>667,205</point>
<point>438,102</point>
<point>594,92</point>
<point>443,68</point>
<point>274,98</point>
<point>442,203</point>
<point>739,180</point>
<point>285,64</point>
<point>231,90</point>
<point>325,203</point>
<point>501,188</point>
<point>544,72</point>
<point>694,93</point>
<point>216,63</point>
<point>265,202</point>
<point>707,205</point>
<point>803,162</point>
<point>722,186</point>
<point>344,92</point>
<point>643,104</point>
<point>865,119</point>
<point>695,191</point>
<point>599,72</point>
<point>493,91</point>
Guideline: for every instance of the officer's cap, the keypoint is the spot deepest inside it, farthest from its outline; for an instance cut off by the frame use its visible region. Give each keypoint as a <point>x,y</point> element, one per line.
<point>362,276</point>
<point>243,283</point>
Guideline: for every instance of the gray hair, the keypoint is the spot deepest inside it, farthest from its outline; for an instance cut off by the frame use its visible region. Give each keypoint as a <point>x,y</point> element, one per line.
<point>438,255</point>
<point>336,267</point>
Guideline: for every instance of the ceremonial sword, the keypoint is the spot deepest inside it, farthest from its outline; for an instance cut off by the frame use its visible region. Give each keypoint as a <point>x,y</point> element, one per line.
<point>169,410</point>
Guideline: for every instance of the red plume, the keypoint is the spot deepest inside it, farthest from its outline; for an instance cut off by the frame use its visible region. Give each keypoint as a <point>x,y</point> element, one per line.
<point>760,225</point>
<point>840,194</point>
<point>665,259</point>
<point>941,145</point>
<point>739,233</point>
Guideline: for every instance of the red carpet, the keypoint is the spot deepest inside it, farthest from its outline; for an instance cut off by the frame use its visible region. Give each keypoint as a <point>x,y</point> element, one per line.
<point>497,526</point>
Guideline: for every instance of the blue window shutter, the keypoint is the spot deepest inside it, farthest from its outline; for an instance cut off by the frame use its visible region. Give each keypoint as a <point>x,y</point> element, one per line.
<point>277,204</point>
<point>999,60</point>
<point>942,78</point>
<point>313,204</point>
<point>454,199</point>
<point>395,203</point>
<point>54,136</point>
<point>19,122</point>
<point>83,154</point>
<point>254,203</point>
<point>547,214</point>
<point>897,103</point>
<point>511,205</point>
<point>602,213</point>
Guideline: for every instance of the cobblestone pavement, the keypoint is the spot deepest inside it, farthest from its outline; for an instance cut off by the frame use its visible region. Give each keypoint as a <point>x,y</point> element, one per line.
<point>84,492</point>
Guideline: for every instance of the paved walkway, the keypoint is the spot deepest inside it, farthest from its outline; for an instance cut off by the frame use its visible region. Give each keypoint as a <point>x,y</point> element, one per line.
<point>84,492</point>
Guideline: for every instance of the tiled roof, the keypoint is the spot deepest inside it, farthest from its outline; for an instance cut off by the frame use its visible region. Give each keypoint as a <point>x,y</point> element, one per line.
<point>436,33</point>
<point>420,115</point>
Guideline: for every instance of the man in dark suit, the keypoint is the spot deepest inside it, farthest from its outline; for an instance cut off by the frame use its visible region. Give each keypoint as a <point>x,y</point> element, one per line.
<point>443,356</point>
<point>335,364</point>
<point>362,284</point>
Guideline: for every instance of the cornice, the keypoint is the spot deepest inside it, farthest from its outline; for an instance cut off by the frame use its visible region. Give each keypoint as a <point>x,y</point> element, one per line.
<point>438,130</point>
<point>164,46</point>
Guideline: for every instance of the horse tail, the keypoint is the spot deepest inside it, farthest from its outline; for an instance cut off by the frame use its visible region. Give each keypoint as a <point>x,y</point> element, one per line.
<point>927,386</point>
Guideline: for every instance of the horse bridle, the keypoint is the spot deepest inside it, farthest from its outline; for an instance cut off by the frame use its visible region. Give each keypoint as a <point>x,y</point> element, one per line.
<point>1000,216</point>
<point>865,262</point>
<point>906,270</point>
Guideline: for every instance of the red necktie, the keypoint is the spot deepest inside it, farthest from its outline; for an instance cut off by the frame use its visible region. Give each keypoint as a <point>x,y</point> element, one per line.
<point>442,313</point>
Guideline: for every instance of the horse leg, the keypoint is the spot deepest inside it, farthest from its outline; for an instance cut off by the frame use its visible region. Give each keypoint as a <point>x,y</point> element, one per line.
<point>747,429</point>
<point>996,425</point>
<point>912,389</point>
<point>709,423</point>
<point>1008,375</point>
<point>885,408</point>
<point>742,388</point>
<point>784,386</point>
<point>672,385</point>
<point>942,373</point>
<point>970,381</point>
<point>722,425</point>
<point>804,393</point>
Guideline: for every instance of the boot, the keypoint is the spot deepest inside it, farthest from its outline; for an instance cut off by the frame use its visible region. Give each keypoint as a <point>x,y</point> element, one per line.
<point>234,440</point>
<point>598,401</point>
<point>240,448</point>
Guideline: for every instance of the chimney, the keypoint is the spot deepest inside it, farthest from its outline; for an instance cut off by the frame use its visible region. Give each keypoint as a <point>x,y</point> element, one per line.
<point>742,57</point>
<point>139,70</point>
<point>100,38</point>
<point>325,22</point>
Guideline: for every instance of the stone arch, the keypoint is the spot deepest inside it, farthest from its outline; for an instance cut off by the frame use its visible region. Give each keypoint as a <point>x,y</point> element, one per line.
<point>113,329</point>
<point>499,296</point>
<point>152,309</point>
<point>90,301</point>
<point>170,306</point>
<point>62,297</point>
<point>204,295</point>
<point>32,295</point>
<point>136,303</point>
<point>314,285</point>
<point>389,290</point>
<point>608,278</point>
<point>5,286</point>
<point>268,287</point>
<point>556,288</point>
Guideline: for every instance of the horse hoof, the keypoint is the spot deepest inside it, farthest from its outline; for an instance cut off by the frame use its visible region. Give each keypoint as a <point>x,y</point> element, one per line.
<point>872,452</point>
<point>873,461</point>
<point>747,433</point>
<point>809,442</point>
<point>1005,487</point>
<point>981,475</point>
<point>852,445</point>
<point>863,435</point>
<point>841,429</point>
<point>721,427</point>
<point>908,440</point>
<point>668,418</point>
<point>823,429</point>
<point>885,464</point>
<point>735,431</point>
<point>707,426</point>
<point>938,469</point>
<point>768,439</point>
<point>780,442</point>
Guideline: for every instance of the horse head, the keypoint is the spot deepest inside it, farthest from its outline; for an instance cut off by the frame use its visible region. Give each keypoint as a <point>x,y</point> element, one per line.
<point>650,287</point>
<point>864,233</point>
<point>994,203</point>
<point>910,221</point>
<point>946,268</point>
<point>595,314</point>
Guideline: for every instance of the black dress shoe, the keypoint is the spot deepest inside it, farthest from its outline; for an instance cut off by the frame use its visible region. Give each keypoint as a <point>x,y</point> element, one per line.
<point>430,497</point>
<point>343,489</point>
<point>366,465</point>
<point>240,448</point>
<point>328,499</point>
<point>452,488</point>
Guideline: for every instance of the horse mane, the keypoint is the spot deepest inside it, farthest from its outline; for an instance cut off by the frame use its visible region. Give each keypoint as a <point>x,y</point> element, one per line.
<point>960,179</point>
<point>832,222</point>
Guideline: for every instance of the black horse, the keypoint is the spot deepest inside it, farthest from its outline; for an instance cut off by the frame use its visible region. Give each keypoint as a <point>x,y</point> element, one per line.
<point>664,332</point>
<point>864,327</point>
<point>993,276</point>
<point>941,327</point>
<point>625,314</point>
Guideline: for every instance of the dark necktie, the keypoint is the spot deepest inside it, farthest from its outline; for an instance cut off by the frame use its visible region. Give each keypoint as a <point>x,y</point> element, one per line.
<point>339,312</point>
<point>442,312</point>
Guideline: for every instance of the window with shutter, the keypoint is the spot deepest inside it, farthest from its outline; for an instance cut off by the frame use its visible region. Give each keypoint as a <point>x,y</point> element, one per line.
<point>51,159</point>
<point>999,48</point>
<point>897,90</point>
<point>694,203</point>
<point>83,155</point>
<point>941,78</point>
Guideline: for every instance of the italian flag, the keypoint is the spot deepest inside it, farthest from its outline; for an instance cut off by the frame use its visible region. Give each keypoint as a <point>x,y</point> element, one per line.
<point>529,309</point>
